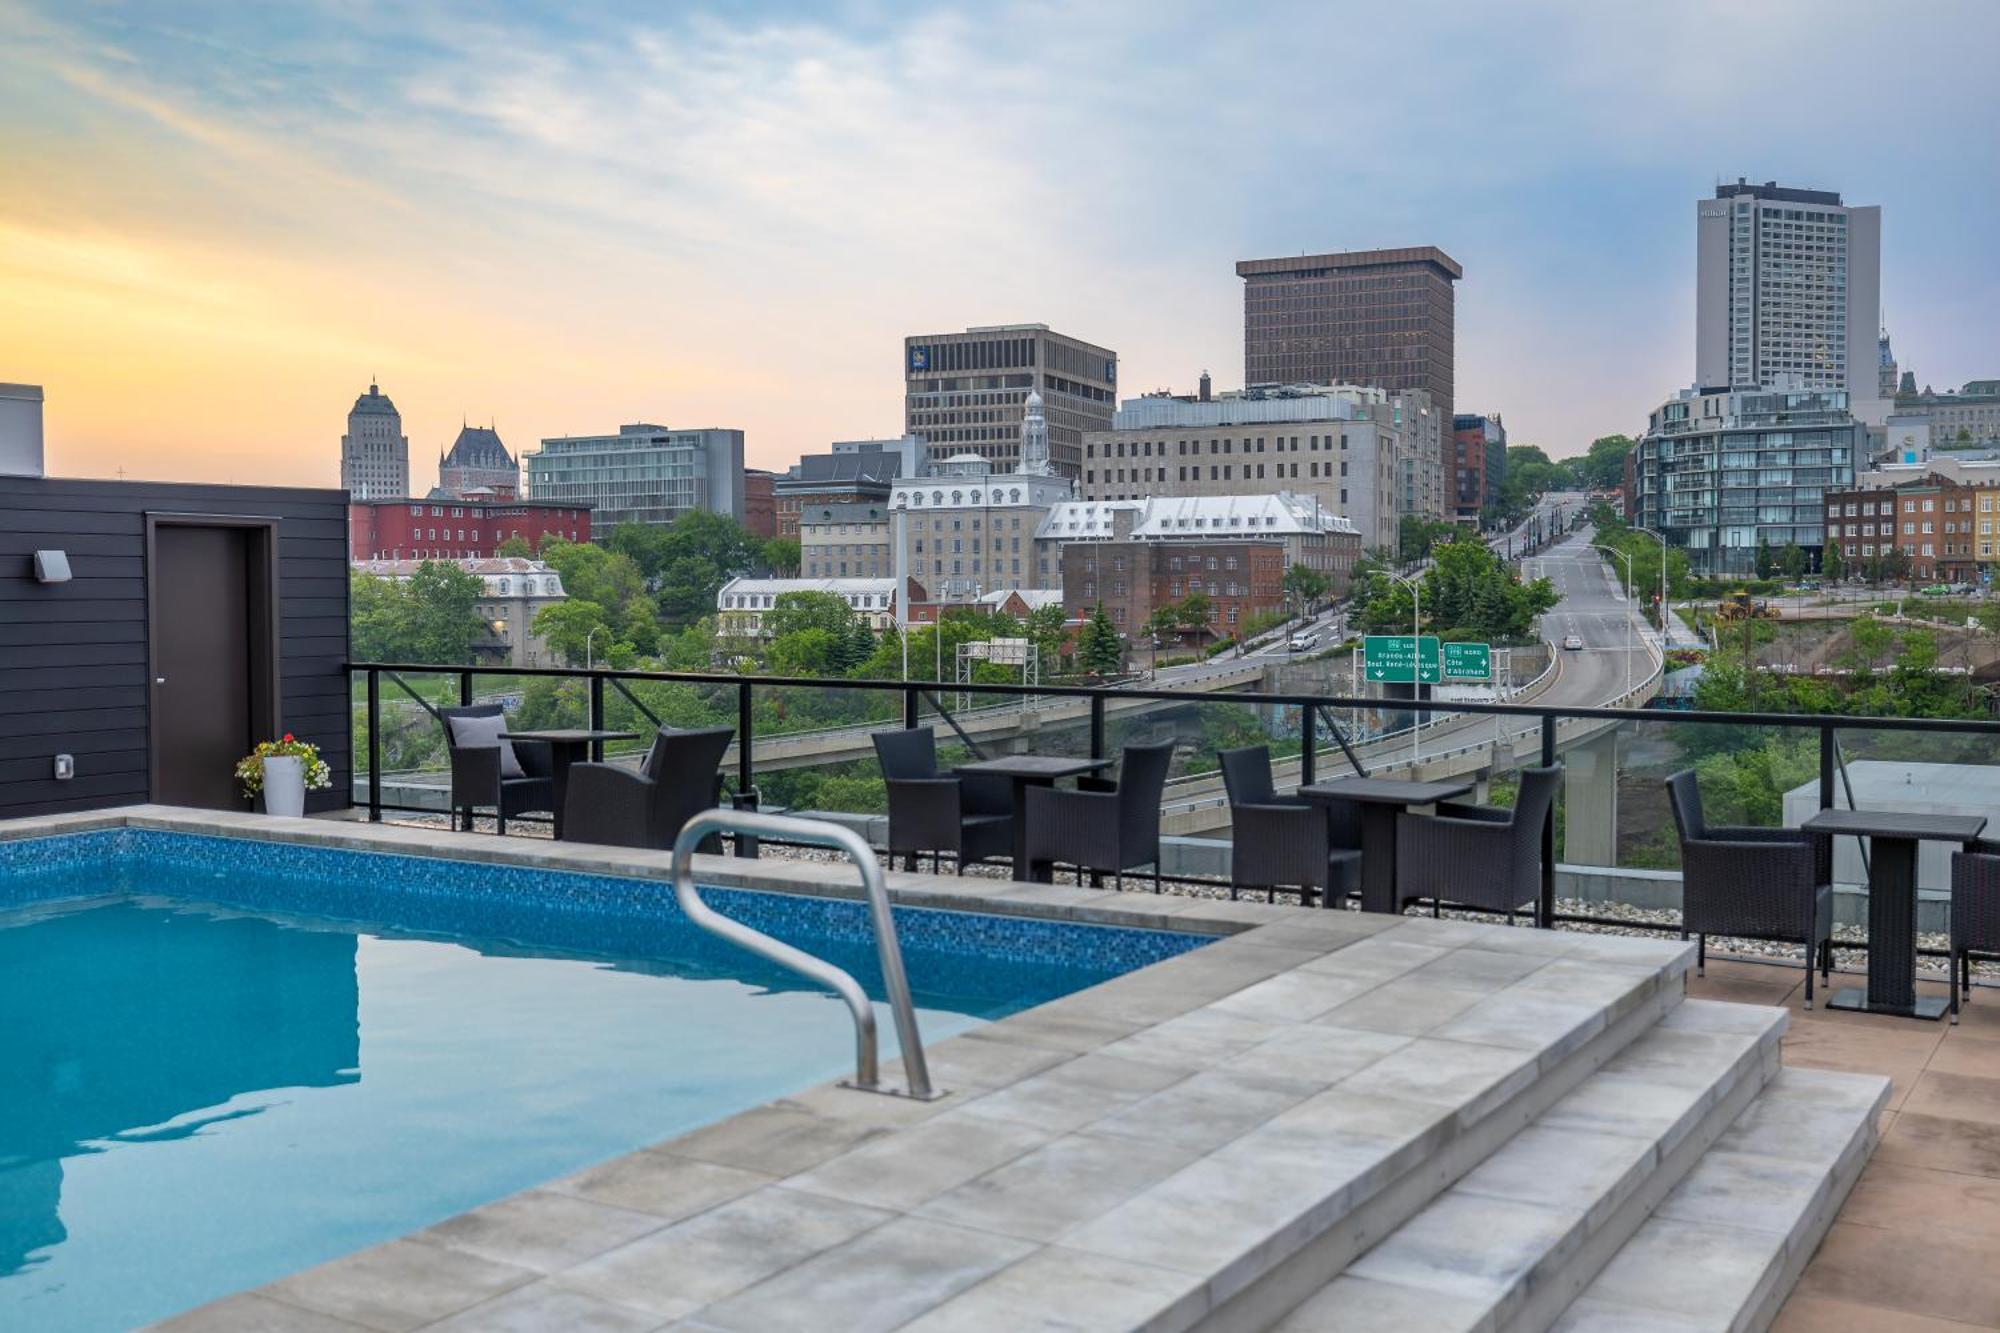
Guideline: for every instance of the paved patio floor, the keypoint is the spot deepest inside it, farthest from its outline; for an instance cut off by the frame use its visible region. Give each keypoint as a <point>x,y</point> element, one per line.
<point>1914,1247</point>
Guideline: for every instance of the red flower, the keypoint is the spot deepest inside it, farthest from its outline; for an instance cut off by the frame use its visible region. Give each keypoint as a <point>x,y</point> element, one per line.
<point>288,737</point>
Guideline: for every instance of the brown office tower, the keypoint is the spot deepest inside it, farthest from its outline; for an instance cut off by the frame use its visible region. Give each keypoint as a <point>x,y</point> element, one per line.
<point>1375,317</point>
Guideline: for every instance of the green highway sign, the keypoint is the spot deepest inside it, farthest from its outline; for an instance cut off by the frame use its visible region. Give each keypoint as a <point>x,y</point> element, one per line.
<point>1468,661</point>
<point>1393,658</point>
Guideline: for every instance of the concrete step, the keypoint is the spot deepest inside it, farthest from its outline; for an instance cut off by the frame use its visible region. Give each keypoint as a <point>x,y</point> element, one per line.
<point>1513,1021</point>
<point>1725,1248</point>
<point>1509,1246</point>
<point>1217,1163</point>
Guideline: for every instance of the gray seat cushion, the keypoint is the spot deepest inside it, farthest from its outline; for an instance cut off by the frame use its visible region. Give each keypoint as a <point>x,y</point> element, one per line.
<point>478,733</point>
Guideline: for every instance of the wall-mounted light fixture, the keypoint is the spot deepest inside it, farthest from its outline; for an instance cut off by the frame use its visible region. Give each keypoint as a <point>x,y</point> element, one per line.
<point>52,567</point>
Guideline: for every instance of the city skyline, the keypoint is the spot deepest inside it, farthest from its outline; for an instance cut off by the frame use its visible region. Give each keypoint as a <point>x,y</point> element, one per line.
<point>551,222</point>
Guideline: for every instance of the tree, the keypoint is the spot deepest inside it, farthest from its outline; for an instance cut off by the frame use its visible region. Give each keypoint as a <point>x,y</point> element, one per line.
<point>1832,564</point>
<point>375,618</point>
<point>1047,629</point>
<point>1468,592</point>
<point>441,612</point>
<point>796,611</point>
<point>1195,613</point>
<point>1766,567</point>
<point>515,547</point>
<point>1602,467</point>
<point>1416,535</point>
<point>612,580</point>
<point>577,630</point>
<point>781,557</point>
<point>1100,651</point>
<point>1793,561</point>
<point>1305,588</point>
<point>684,564</point>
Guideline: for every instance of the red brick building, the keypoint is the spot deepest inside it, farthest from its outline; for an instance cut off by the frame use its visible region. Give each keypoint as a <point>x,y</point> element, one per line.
<point>1133,579</point>
<point>760,512</point>
<point>444,529</point>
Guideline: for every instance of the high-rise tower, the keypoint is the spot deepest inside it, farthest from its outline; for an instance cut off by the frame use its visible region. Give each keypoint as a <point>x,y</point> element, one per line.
<point>1383,318</point>
<point>1788,292</point>
<point>375,454</point>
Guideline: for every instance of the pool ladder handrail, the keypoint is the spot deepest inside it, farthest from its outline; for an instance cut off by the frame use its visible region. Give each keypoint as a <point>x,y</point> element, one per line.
<point>867,1068</point>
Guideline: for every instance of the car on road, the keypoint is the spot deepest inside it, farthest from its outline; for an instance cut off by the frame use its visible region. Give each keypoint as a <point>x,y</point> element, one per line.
<point>1303,640</point>
<point>1573,642</point>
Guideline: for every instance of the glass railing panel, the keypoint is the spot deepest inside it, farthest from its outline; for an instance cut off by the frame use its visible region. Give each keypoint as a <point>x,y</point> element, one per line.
<point>813,750</point>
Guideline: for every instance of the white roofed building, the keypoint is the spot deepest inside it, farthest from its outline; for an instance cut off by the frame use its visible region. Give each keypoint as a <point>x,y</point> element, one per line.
<point>742,603</point>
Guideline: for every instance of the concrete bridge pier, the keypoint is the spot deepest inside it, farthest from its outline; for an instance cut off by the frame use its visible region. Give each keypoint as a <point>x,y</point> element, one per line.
<point>1590,800</point>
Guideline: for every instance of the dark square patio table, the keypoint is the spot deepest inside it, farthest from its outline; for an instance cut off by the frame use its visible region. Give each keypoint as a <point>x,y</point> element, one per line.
<point>567,745</point>
<point>1031,770</point>
<point>1892,902</point>
<point>1381,800</point>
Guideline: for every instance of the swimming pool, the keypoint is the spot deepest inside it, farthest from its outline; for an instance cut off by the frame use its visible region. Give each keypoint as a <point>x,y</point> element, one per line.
<point>228,1060</point>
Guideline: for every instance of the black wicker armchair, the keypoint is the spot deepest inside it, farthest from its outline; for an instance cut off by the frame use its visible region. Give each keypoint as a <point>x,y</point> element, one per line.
<point>1475,855</point>
<point>509,777</point>
<point>968,815</point>
<point>618,807</point>
<point>1287,841</point>
<point>1100,830</point>
<point>1975,913</point>
<point>1754,883</point>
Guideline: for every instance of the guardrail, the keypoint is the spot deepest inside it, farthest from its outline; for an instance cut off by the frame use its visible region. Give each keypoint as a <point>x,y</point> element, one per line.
<point>1542,727</point>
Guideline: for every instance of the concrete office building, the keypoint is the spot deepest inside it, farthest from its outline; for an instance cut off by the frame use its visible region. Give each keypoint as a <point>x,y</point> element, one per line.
<point>643,474</point>
<point>375,454</point>
<point>964,528</point>
<point>967,392</point>
<point>1355,451</point>
<point>1970,416</point>
<point>1362,317</point>
<point>840,541</point>
<point>1722,471</point>
<point>850,472</point>
<point>1788,291</point>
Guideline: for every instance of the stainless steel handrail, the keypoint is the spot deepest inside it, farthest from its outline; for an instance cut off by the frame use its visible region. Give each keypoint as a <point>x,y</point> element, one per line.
<point>867,1070</point>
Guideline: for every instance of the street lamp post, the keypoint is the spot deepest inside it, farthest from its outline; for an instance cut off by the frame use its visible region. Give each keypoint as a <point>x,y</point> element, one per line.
<point>1631,625</point>
<point>1666,608</point>
<point>586,645</point>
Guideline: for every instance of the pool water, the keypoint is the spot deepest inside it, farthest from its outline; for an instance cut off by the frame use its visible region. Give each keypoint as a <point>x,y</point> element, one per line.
<point>209,1087</point>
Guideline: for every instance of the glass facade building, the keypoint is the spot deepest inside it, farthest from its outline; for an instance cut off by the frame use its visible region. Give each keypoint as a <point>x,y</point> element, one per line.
<point>1720,472</point>
<point>643,474</point>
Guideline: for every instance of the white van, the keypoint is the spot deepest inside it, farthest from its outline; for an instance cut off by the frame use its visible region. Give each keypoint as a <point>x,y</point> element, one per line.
<point>1304,639</point>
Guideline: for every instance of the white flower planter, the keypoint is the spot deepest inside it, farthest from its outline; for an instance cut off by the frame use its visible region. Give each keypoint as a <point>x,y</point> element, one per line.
<point>284,785</point>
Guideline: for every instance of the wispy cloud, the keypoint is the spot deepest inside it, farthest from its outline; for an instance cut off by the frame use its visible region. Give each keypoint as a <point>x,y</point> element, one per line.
<point>567,214</point>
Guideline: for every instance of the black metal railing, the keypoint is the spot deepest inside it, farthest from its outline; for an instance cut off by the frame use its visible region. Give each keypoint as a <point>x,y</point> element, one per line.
<point>1320,733</point>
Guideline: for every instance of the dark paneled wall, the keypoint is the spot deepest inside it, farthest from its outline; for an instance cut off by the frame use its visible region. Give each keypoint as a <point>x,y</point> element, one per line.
<point>73,655</point>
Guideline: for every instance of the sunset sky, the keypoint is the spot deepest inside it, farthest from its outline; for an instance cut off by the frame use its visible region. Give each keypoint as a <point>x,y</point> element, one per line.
<point>218,220</point>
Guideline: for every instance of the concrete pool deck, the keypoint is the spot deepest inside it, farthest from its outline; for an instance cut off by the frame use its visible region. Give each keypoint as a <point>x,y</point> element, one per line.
<point>1207,1142</point>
